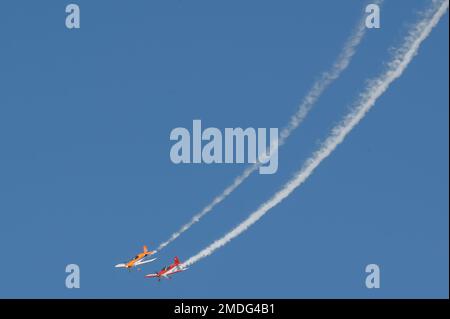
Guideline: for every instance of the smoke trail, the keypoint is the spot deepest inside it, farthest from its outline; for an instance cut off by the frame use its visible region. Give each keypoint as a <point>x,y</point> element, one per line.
<point>306,105</point>
<point>402,57</point>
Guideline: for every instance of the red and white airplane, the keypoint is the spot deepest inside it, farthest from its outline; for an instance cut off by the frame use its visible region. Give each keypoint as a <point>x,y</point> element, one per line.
<point>167,271</point>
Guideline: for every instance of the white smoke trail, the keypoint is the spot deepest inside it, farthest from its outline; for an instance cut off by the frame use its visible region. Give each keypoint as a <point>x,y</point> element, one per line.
<point>374,90</point>
<point>308,102</point>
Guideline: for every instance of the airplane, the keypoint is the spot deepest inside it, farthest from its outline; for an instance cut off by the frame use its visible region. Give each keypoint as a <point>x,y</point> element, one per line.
<point>138,260</point>
<point>167,271</point>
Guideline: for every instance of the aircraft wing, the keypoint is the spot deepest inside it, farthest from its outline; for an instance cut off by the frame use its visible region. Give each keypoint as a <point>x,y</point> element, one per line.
<point>151,275</point>
<point>141,262</point>
<point>120,266</point>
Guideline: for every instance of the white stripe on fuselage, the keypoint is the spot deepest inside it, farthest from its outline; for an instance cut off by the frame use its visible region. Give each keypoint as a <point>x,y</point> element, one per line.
<point>174,270</point>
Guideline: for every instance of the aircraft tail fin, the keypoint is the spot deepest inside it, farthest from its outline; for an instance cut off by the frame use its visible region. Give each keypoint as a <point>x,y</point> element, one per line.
<point>145,249</point>
<point>176,261</point>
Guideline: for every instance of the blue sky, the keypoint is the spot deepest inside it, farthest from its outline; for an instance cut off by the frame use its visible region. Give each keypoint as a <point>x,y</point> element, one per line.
<point>86,177</point>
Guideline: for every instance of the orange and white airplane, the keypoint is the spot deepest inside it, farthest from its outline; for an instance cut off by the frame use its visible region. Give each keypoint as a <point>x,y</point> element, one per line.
<point>168,270</point>
<point>139,259</point>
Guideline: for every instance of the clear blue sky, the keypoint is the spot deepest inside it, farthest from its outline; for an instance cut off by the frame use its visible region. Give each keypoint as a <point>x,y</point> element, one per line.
<point>86,178</point>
